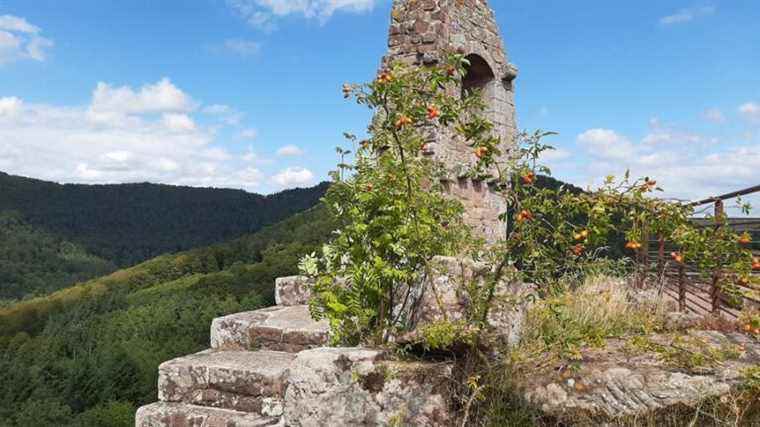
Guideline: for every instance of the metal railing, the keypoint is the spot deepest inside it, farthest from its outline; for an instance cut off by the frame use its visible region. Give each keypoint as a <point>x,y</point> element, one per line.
<point>687,285</point>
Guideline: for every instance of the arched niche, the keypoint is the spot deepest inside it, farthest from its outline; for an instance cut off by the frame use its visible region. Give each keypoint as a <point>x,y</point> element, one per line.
<point>479,76</point>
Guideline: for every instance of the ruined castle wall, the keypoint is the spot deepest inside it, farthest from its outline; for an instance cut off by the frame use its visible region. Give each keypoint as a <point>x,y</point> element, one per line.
<point>423,32</point>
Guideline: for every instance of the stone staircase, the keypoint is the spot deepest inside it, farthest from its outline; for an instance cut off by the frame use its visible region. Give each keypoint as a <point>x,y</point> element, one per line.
<point>270,367</point>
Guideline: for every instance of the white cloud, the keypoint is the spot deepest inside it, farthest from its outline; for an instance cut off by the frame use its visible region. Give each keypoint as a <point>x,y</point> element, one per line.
<point>750,112</point>
<point>606,144</point>
<point>21,40</point>
<point>178,122</point>
<point>161,97</point>
<point>714,115</point>
<point>290,151</point>
<point>687,15</point>
<point>263,14</point>
<point>293,177</point>
<point>684,170</point>
<point>226,113</point>
<point>242,47</point>
<point>10,106</point>
<point>124,135</point>
<point>249,134</point>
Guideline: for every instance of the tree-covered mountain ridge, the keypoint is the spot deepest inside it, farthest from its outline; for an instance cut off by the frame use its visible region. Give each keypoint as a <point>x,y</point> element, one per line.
<point>130,223</point>
<point>55,235</point>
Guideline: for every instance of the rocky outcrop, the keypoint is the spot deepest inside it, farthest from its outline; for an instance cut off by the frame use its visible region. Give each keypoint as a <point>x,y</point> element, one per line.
<point>293,290</point>
<point>620,382</point>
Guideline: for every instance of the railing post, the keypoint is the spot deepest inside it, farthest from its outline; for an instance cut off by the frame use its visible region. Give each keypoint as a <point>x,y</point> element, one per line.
<point>661,256</point>
<point>715,287</point>
<point>681,288</point>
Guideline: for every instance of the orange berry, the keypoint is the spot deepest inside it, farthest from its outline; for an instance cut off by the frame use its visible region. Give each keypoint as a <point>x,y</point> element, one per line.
<point>481,152</point>
<point>748,327</point>
<point>433,112</point>
<point>583,235</point>
<point>529,178</point>
<point>756,264</point>
<point>745,239</point>
<point>385,77</point>
<point>524,215</point>
<point>633,245</point>
<point>403,121</point>
<point>649,185</point>
<point>677,257</point>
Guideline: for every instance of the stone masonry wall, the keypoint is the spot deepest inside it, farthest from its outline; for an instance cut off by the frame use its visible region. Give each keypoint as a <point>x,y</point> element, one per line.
<point>424,31</point>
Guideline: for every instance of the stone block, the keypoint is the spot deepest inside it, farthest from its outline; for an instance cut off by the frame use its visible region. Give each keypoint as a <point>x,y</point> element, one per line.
<point>289,329</point>
<point>353,386</point>
<point>163,414</point>
<point>293,290</point>
<point>239,380</point>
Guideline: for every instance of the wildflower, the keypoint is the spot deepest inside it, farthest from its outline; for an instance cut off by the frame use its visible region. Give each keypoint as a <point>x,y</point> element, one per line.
<point>633,245</point>
<point>578,250</point>
<point>529,178</point>
<point>481,152</point>
<point>677,257</point>
<point>433,112</point>
<point>756,264</point>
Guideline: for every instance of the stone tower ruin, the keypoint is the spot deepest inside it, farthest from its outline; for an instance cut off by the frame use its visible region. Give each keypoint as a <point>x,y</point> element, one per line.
<point>421,33</point>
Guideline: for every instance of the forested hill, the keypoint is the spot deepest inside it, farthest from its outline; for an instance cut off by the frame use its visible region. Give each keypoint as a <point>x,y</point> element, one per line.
<point>129,223</point>
<point>88,355</point>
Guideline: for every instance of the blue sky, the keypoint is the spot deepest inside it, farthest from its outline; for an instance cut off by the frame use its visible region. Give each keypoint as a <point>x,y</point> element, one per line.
<point>246,93</point>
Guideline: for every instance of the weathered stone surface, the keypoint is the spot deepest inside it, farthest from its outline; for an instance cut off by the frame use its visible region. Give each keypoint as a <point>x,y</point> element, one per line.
<point>422,32</point>
<point>163,414</point>
<point>611,383</point>
<point>293,290</point>
<point>288,329</point>
<point>444,297</point>
<point>351,386</point>
<point>240,380</point>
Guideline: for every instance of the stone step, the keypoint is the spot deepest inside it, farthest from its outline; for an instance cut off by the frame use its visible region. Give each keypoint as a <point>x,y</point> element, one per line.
<point>240,380</point>
<point>289,329</point>
<point>164,414</point>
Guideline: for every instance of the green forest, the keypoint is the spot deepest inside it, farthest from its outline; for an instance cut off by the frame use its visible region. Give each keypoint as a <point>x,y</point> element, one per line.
<point>53,236</point>
<point>88,355</point>
<point>130,223</point>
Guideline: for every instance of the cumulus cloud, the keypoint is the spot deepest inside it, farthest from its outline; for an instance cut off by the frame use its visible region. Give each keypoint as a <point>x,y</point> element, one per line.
<point>160,97</point>
<point>606,143</point>
<point>290,151</point>
<point>750,112</point>
<point>127,135</point>
<point>293,177</point>
<point>686,171</point>
<point>688,14</point>
<point>263,14</point>
<point>249,134</point>
<point>21,40</point>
